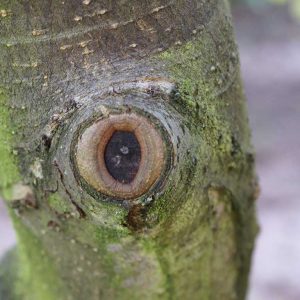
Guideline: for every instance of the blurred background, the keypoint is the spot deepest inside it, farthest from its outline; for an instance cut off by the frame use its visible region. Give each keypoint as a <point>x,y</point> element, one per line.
<point>268,34</point>
<point>269,39</point>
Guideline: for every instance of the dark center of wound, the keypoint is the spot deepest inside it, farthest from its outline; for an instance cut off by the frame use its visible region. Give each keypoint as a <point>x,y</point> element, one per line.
<point>123,156</point>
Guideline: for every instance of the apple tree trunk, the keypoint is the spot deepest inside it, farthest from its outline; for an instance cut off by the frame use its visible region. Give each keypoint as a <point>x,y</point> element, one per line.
<point>125,153</point>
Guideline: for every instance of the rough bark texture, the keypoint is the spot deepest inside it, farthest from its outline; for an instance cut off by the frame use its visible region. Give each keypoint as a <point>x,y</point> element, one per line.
<point>65,64</point>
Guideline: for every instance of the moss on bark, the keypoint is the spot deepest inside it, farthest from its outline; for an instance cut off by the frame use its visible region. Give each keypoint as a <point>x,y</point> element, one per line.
<point>9,173</point>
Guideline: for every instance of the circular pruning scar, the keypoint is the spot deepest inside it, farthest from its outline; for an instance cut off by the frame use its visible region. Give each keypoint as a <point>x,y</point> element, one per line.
<point>121,156</point>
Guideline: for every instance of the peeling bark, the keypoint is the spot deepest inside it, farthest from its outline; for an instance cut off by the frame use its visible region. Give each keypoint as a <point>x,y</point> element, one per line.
<point>68,64</point>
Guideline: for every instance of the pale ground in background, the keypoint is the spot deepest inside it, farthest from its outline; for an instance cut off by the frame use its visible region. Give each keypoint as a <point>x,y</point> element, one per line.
<point>270,56</point>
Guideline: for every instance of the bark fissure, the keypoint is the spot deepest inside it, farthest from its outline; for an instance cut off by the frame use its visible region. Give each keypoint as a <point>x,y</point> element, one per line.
<point>61,176</point>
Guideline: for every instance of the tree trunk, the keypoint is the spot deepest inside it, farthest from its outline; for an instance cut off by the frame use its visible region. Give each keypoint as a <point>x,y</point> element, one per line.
<point>78,79</point>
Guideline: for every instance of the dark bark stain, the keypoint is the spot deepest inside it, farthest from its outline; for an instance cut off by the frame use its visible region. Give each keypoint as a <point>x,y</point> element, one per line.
<point>136,218</point>
<point>53,225</point>
<point>47,141</point>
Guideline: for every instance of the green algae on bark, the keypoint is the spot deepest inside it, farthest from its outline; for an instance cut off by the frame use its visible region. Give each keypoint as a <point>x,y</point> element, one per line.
<point>9,173</point>
<point>36,277</point>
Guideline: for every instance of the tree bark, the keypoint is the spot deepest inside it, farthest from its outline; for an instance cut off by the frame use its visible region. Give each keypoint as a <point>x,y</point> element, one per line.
<point>66,65</point>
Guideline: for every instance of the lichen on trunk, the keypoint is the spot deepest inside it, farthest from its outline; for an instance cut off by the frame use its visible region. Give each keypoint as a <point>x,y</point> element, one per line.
<point>188,230</point>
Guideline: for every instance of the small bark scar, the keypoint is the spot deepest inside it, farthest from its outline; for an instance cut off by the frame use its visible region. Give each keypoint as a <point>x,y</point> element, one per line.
<point>157,9</point>
<point>23,197</point>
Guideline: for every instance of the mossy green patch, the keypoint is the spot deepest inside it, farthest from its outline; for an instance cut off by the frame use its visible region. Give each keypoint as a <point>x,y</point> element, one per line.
<point>9,173</point>
<point>187,69</point>
<point>197,71</point>
<point>58,204</point>
<point>37,277</point>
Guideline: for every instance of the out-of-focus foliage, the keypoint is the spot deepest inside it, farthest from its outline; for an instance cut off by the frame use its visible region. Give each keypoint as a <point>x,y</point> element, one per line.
<point>295,8</point>
<point>293,5</point>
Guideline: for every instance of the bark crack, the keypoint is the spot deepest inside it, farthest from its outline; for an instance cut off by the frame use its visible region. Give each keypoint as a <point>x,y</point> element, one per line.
<point>82,214</point>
